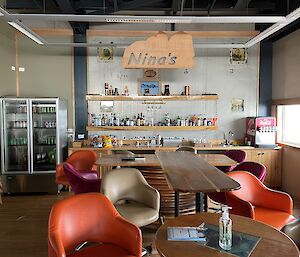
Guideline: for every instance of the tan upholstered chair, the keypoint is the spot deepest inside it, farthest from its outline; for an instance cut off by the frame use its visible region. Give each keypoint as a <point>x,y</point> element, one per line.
<point>132,196</point>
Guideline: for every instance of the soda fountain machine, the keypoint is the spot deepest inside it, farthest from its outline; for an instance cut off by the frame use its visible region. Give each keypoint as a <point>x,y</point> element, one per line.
<point>261,132</point>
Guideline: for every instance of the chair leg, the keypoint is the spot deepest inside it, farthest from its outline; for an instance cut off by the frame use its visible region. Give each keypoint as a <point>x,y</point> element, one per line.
<point>162,221</point>
<point>59,188</point>
<point>147,250</point>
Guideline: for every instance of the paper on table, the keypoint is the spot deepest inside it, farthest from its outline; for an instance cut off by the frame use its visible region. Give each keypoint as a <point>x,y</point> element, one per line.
<point>185,234</point>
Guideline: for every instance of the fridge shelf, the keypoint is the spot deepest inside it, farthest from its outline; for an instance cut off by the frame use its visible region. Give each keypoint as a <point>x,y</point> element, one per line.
<point>17,145</point>
<point>42,113</point>
<point>44,166</point>
<point>16,113</point>
<point>17,128</point>
<point>44,128</point>
<point>46,145</point>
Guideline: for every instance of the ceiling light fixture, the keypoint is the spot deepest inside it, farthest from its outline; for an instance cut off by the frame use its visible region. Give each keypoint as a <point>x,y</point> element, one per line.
<point>27,32</point>
<point>148,19</point>
<point>279,21</point>
<point>274,28</point>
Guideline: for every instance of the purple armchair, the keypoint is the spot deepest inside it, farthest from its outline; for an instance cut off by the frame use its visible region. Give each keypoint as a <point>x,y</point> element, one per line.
<point>257,169</point>
<point>236,155</point>
<point>82,182</point>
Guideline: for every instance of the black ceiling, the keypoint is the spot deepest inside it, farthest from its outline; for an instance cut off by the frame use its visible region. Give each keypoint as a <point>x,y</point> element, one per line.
<point>155,7</point>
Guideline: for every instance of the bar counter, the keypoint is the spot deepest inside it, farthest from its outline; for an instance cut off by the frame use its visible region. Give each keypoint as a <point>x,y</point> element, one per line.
<point>271,158</point>
<point>160,148</point>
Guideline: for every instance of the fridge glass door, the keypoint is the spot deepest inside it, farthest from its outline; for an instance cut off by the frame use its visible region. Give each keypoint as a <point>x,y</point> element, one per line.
<point>43,135</point>
<point>16,136</point>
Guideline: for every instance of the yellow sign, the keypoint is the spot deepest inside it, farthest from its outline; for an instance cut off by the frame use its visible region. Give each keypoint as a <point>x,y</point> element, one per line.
<point>159,51</point>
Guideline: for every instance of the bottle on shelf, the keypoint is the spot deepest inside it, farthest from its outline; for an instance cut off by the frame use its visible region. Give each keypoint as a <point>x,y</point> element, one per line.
<point>138,120</point>
<point>127,121</point>
<point>142,120</point>
<point>105,88</point>
<point>117,121</point>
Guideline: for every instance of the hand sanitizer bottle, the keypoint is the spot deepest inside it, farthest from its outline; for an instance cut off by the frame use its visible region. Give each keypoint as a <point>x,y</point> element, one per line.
<point>225,229</point>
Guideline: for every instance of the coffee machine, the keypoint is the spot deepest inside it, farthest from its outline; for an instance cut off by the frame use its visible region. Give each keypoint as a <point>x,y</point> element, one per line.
<point>261,132</point>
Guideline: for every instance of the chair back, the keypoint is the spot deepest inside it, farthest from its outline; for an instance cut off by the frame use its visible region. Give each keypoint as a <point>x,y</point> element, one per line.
<point>237,155</point>
<point>87,217</point>
<point>82,159</point>
<point>124,184</point>
<point>293,231</point>
<point>186,149</point>
<point>257,169</point>
<point>82,182</point>
<point>250,188</point>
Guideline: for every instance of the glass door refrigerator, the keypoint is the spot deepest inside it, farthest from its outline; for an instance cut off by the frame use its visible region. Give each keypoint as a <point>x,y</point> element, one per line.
<point>34,140</point>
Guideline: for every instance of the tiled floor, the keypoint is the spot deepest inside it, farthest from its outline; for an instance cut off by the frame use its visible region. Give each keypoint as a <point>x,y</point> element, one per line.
<point>23,225</point>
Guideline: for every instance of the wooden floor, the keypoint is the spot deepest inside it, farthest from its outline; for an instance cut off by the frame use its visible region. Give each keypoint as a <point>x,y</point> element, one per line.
<point>23,225</point>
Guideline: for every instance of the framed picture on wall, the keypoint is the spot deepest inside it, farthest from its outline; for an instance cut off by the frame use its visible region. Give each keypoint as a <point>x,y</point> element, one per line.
<point>149,87</point>
<point>238,56</point>
<point>105,54</point>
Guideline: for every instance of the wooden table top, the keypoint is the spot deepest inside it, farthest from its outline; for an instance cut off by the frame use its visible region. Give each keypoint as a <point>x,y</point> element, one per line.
<point>273,243</point>
<point>109,160</point>
<point>186,172</point>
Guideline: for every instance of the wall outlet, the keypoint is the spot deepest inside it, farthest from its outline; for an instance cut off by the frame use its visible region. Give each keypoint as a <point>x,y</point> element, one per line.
<point>21,69</point>
<point>13,68</point>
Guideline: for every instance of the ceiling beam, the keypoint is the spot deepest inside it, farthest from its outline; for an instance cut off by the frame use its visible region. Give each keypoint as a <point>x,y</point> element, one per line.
<point>211,6</point>
<point>148,19</point>
<point>242,4</point>
<point>65,6</point>
<point>175,6</point>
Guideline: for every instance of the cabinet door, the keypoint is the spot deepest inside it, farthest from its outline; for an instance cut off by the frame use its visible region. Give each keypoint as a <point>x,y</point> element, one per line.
<point>272,160</point>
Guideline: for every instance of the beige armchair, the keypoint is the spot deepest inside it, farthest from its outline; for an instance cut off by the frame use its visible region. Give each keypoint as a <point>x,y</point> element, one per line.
<point>132,196</point>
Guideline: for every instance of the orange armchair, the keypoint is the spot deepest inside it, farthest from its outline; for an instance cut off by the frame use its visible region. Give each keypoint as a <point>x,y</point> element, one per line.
<point>82,160</point>
<point>256,201</point>
<point>91,217</point>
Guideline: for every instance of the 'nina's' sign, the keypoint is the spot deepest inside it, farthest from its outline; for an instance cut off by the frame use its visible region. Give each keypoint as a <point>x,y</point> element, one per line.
<point>161,52</point>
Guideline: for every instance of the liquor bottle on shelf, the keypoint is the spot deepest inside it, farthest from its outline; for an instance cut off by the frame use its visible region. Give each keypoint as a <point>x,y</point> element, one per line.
<point>127,122</point>
<point>142,120</point>
<point>138,120</point>
<point>105,88</point>
<point>117,122</point>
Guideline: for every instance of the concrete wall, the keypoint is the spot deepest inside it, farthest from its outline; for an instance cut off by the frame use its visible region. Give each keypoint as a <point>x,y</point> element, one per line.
<point>213,73</point>
<point>286,84</point>
<point>291,171</point>
<point>286,66</point>
<point>48,71</point>
<point>7,59</point>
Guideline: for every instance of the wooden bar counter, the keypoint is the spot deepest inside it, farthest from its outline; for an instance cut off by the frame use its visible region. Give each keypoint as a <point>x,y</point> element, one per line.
<point>271,158</point>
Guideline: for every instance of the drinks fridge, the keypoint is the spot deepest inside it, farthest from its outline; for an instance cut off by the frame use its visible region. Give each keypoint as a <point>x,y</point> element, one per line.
<point>33,140</point>
<point>261,131</point>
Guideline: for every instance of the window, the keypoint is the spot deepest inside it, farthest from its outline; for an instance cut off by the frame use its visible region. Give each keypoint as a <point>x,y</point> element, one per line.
<point>288,124</point>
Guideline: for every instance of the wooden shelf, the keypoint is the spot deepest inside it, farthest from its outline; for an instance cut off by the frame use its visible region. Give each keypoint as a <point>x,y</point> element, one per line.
<point>151,128</point>
<point>151,98</point>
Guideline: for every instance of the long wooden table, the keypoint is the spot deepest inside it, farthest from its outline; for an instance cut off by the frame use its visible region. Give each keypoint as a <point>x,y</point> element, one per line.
<point>151,160</point>
<point>171,202</point>
<point>273,243</point>
<point>186,172</point>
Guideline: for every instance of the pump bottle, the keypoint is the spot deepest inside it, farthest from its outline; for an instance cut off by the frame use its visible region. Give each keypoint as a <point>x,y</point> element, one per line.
<point>225,229</point>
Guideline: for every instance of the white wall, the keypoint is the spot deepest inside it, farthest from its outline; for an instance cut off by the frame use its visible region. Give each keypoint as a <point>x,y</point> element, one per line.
<point>212,74</point>
<point>7,59</point>
<point>286,84</point>
<point>286,67</point>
